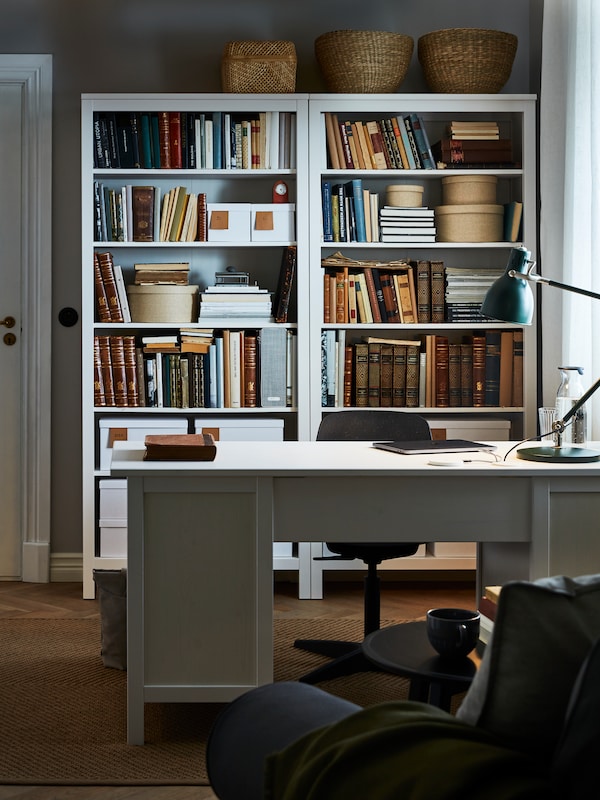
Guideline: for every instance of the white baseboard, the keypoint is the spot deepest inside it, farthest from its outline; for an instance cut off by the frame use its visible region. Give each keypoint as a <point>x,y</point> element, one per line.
<point>66,567</point>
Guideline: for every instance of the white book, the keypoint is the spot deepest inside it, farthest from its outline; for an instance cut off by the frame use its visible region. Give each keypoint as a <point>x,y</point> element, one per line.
<point>208,144</point>
<point>122,293</point>
<point>235,369</point>
<point>212,376</point>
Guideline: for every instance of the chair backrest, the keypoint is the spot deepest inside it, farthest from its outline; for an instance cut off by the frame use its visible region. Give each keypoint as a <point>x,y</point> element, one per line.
<point>373,425</point>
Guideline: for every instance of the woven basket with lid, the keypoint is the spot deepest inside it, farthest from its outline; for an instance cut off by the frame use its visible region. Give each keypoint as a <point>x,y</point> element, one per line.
<point>467,60</point>
<point>259,67</point>
<point>363,61</point>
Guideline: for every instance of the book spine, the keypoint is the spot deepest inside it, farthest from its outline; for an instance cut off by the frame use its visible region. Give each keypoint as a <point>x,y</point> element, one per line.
<point>492,368</point>
<point>478,344</point>
<point>517,399</point>
<point>399,376</point>
<point>387,372</point>
<point>438,291</point>
<point>424,291</point>
<point>106,367</point>
<point>412,375</point>
<point>105,261</point>
<point>285,283</point>
<point>102,306</point>
<point>374,374</point>
<point>466,375</point>
<point>142,203</point>
<point>117,356</point>
<point>454,391</point>
<point>99,396</point>
<point>361,375</point>
<point>442,378</point>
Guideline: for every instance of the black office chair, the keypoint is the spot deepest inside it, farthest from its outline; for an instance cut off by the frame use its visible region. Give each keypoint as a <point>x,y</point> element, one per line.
<point>371,426</point>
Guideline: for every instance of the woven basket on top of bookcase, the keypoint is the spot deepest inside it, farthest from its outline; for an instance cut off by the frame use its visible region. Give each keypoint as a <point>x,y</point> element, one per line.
<point>467,60</point>
<point>259,67</point>
<point>363,61</point>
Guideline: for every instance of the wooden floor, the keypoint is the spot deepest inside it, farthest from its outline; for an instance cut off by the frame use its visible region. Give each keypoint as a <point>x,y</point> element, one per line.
<point>400,600</point>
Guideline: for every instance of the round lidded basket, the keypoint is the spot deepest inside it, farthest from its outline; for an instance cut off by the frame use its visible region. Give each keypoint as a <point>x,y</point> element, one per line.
<point>469,189</point>
<point>467,60</point>
<point>404,195</point>
<point>363,61</point>
<point>261,67</point>
<point>480,222</point>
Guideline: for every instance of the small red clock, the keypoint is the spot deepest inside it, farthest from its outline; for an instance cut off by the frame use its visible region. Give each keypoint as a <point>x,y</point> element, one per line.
<point>280,192</point>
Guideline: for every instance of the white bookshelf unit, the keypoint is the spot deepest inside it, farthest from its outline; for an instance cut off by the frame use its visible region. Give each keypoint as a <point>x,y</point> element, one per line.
<point>304,177</point>
<point>257,250</point>
<point>515,116</point>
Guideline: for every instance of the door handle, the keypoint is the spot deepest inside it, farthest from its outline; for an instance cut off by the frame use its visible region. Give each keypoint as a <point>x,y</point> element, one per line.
<point>8,322</point>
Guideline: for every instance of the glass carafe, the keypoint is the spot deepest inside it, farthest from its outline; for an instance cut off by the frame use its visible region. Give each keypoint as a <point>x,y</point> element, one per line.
<point>569,391</point>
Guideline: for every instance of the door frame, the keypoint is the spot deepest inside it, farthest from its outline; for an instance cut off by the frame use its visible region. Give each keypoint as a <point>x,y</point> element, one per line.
<point>34,75</point>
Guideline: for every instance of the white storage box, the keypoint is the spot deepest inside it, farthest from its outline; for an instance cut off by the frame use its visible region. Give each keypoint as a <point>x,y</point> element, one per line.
<point>486,430</point>
<point>113,538</point>
<point>241,430</point>
<point>453,549</point>
<point>228,222</point>
<point>113,499</point>
<point>274,222</point>
<point>127,429</point>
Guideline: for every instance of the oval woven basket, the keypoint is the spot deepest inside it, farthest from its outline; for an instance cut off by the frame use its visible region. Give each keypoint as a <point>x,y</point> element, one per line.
<point>363,61</point>
<point>467,60</point>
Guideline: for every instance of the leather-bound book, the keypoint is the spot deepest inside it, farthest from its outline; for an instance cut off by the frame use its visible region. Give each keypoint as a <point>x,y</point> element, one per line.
<point>106,367</point>
<point>399,376</point>
<point>164,135</point>
<point>99,397</point>
<point>287,271</point>
<point>478,371</point>
<point>361,375</point>
<point>131,372</point>
<point>412,375</point>
<point>517,399</point>
<point>438,291</point>
<point>466,374</point>
<point>107,271</point>
<point>142,204</point>
<point>180,447</point>
<point>250,370</point>
<point>424,291</point>
<point>117,357</point>
<point>101,299</point>
<point>387,371</point>
<point>442,384</point>
<point>454,389</point>
<point>374,374</point>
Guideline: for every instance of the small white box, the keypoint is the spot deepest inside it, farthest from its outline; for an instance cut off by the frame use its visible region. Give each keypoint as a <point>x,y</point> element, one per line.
<point>113,538</point>
<point>274,222</point>
<point>113,499</point>
<point>487,430</point>
<point>453,549</point>
<point>228,222</point>
<point>241,430</point>
<point>132,429</point>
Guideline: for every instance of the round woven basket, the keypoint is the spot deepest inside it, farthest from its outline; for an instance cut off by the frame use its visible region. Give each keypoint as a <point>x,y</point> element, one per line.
<point>363,61</point>
<point>467,60</point>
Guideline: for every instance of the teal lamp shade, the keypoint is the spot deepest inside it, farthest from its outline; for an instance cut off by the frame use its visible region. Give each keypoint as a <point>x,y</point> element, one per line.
<point>510,298</point>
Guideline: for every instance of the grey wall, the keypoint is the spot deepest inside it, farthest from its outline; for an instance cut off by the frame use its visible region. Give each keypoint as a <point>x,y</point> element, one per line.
<point>175,46</point>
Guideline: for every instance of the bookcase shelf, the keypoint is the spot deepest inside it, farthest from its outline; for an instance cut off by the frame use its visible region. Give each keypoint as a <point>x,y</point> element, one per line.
<point>515,115</point>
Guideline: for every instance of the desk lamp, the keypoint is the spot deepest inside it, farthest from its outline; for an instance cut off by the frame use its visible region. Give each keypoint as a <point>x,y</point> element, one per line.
<point>510,299</point>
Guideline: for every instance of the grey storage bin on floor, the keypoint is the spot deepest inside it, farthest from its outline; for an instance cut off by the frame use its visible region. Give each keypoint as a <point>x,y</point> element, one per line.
<point>112,598</point>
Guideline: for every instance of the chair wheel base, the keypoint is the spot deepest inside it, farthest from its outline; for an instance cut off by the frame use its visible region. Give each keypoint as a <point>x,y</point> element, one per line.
<point>348,659</point>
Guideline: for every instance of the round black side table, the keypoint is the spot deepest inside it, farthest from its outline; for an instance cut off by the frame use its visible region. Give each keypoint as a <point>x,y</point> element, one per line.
<point>405,650</point>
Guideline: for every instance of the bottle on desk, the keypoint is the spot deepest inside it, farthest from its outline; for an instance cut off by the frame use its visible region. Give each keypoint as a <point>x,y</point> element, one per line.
<point>569,391</point>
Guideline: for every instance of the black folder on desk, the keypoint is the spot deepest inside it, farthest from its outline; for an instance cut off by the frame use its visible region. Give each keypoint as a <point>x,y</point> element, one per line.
<point>435,446</point>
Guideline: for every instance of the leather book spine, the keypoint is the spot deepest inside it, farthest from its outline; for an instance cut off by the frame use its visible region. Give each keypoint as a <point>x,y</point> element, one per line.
<point>517,399</point>
<point>164,135</point>
<point>454,393</point>
<point>389,298</point>
<point>117,357</point>
<point>361,375</point>
<point>142,204</point>
<point>412,375</point>
<point>347,394</point>
<point>175,139</point>
<point>438,291</point>
<point>250,370</point>
<point>99,397</point>
<point>372,292</point>
<point>374,374</point>
<point>478,371</point>
<point>101,298</point>
<point>399,376</point>
<point>106,366</point>
<point>202,234</point>
<point>505,392</point>
<point>466,374</point>
<point>105,261</point>
<point>284,287</point>
<point>387,371</point>
<point>131,374</point>
<point>442,381</point>
<point>424,291</point>
<point>492,368</point>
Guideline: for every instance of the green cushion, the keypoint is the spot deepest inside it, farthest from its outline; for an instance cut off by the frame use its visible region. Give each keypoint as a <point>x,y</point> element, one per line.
<point>402,750</point>
<point>542,634</point>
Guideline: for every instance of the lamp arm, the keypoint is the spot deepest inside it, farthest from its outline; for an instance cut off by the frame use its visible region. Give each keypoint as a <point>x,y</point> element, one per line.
<point>533,277</point>
<point>576,406</point>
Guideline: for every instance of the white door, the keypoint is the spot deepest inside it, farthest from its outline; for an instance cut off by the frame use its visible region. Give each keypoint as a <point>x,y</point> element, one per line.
<point>11,350</point>
<point>25,298</point>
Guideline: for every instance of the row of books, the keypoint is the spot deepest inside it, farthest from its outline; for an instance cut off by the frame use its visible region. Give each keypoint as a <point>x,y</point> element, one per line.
<point>398,142</point>
<point>112,304</point>
<point>147,214</point>
<point>482,370</point>
<point>221,369</point>
<point>194,140</point>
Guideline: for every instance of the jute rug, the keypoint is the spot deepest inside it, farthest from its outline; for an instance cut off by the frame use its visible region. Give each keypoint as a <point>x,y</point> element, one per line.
<point>63,714</point>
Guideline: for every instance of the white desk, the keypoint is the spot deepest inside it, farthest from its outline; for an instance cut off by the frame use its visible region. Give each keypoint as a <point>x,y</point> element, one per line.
<point>200,536</point>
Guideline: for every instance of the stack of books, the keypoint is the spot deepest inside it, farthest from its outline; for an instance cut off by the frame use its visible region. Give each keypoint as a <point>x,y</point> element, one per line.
<point>170,274</point>
<point>474,130</point>
<point>402,224</point>
<point>240,302</point>
<point>465,290</point>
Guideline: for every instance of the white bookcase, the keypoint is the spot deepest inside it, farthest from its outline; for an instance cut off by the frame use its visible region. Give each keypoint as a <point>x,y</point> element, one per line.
<point>516,117</point>
<point>261,258</point>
